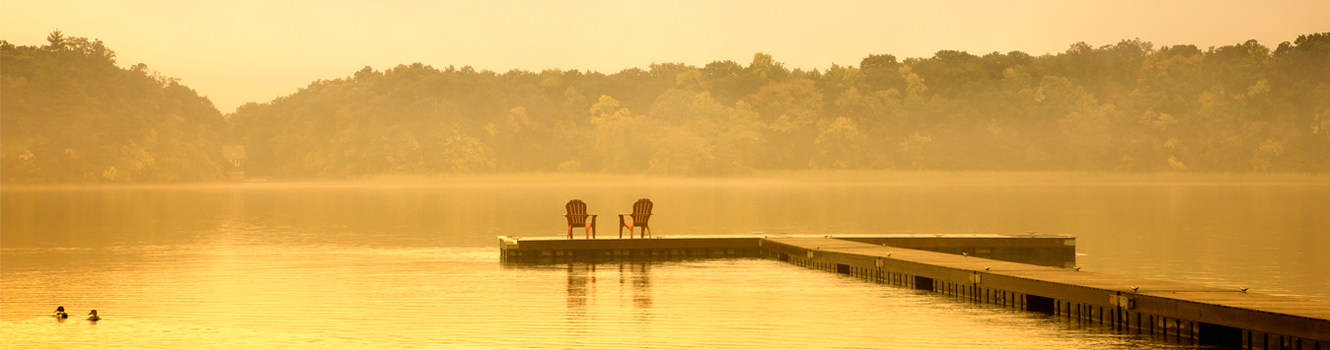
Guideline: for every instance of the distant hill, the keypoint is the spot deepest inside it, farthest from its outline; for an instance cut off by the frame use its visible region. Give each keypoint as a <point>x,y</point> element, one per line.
<point>71,116</point>
<point>68,114</point>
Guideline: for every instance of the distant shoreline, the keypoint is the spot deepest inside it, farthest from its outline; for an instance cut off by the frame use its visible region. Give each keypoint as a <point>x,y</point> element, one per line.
<point>800,177</point>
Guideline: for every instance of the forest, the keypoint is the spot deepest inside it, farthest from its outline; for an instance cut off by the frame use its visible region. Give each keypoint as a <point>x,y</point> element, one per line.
<point>71,115</point>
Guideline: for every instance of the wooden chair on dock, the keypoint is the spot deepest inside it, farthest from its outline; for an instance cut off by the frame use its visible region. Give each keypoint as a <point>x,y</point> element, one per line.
<point>577,216</point>
<point>638,218</point>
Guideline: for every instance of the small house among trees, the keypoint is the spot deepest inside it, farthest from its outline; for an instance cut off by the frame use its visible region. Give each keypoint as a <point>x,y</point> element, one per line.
<point>235,161</point>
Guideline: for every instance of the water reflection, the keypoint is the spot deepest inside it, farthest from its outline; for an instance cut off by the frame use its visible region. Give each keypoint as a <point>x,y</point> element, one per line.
<point>1267,237</point>
<point>344,264</point>
<point>634,279</point>
<point>392,298</point>
<point>639,274</point>
<point>581,282</point>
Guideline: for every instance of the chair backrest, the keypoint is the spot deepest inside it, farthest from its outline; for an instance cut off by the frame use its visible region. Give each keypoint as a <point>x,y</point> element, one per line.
<point>641,212</point>
<point>576,212</point>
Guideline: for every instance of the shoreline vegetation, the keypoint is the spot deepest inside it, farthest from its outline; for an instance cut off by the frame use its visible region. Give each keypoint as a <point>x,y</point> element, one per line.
<point>758,178</point>
<point>71,115</point>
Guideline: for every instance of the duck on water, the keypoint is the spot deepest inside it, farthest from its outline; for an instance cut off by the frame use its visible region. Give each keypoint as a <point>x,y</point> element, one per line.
<point>60,313</point>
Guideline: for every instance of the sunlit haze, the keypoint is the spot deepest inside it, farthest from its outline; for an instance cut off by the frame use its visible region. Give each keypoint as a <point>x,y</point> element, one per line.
<point>235,52</point>
<point>834,174</point>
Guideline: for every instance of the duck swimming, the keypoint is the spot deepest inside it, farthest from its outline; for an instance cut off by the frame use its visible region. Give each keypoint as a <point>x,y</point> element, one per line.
<point>60,313</point>
<point>94,317</point>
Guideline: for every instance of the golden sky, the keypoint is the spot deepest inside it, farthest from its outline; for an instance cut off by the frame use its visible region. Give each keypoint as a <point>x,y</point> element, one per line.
<point>253,51</point>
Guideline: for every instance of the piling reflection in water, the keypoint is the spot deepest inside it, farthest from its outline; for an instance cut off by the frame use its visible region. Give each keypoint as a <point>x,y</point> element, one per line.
<point>581,281</point>
<point>580,289</point>
<point>639,273</point>
<point>634,281</point>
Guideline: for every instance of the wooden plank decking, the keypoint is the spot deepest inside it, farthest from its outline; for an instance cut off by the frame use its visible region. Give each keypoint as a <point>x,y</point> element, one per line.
<point>1111,296</point>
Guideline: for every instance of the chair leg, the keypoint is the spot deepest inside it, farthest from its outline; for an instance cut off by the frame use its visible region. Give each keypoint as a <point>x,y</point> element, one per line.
<point>570,231</point>
<point>588,230</point>
<point>647,230</point>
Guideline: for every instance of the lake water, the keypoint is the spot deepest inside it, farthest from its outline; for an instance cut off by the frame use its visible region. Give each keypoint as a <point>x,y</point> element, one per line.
<point>354,265</point>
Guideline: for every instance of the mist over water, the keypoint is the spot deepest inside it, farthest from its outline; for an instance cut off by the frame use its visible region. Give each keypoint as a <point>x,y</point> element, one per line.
<point>343,265</point>
<point>353,200</point>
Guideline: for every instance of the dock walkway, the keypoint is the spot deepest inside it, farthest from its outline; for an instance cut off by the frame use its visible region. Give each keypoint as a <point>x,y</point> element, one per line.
<point>1186,313</point>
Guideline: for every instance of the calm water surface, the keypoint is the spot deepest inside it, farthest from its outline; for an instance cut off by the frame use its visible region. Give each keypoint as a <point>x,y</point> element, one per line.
<point>391,266</point>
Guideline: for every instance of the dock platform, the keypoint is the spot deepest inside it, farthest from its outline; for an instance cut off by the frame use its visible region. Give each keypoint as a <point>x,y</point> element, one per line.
<point>1045,250</point>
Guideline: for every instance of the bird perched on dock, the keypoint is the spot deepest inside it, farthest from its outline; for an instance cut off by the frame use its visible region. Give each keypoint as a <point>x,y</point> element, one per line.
<point>1078,268</point>
<point>94,317</point>
<point>965,254</point>
<point>985,268</point>
<point>1243,289</point>
<point>1134,288</point>
<point>60,313</point>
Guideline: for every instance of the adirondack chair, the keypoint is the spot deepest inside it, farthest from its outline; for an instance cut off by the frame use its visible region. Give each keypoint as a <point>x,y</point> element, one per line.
<point>638,218</point>
<point>577,216</point>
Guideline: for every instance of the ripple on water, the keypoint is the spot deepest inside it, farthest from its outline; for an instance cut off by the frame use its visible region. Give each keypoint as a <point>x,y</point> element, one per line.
<point>416,267</point>
<point>43,332</point>
<point>392,298</point>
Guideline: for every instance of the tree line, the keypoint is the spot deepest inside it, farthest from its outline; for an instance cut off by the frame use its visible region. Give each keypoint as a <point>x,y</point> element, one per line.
<point>69,114</point>
<point>1123,107</point>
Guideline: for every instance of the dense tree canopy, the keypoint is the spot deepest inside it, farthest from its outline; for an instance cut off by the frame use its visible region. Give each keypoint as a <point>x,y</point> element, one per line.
<point>69,114</point>
<point>1122,107</point>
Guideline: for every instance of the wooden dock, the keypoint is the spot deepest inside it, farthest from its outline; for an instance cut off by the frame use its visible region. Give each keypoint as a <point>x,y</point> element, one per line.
<point>1046,250</point>
<point>1173,312</point>
<point>1180,313</point>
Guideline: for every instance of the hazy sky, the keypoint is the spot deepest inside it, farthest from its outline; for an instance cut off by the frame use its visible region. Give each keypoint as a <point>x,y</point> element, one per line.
<point>242,51</point>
